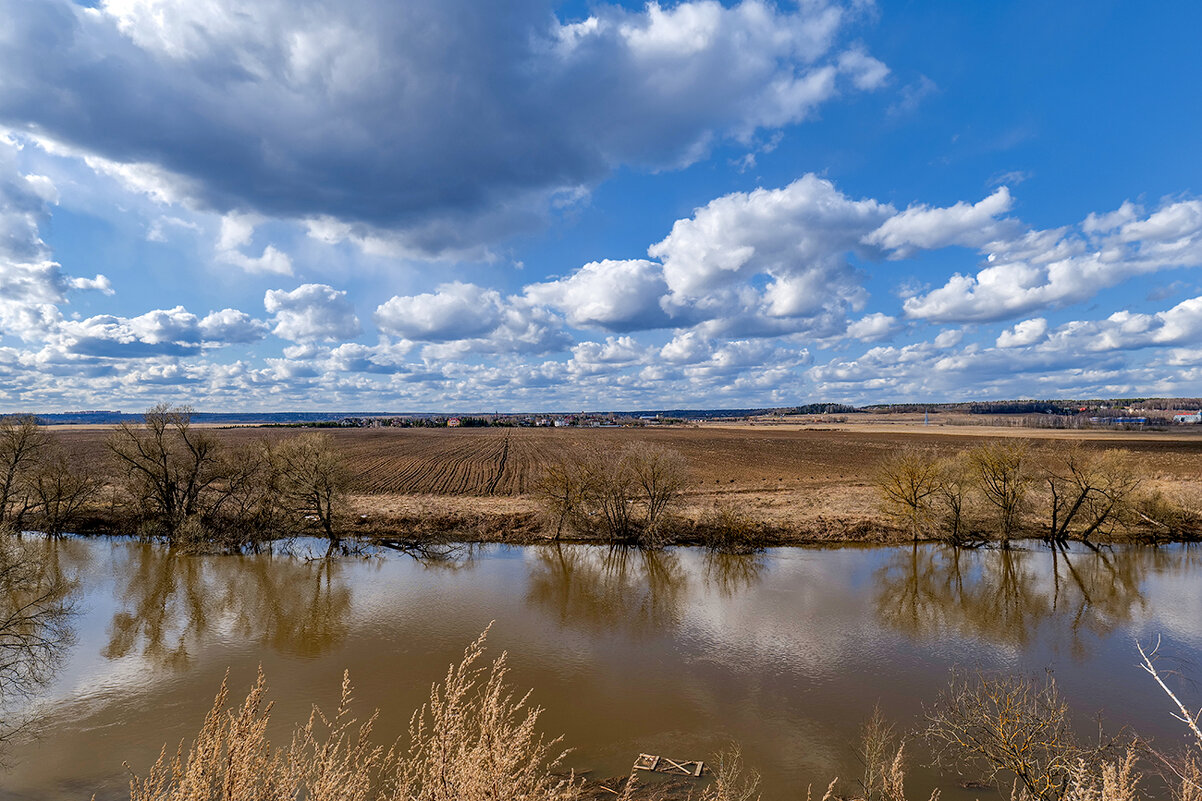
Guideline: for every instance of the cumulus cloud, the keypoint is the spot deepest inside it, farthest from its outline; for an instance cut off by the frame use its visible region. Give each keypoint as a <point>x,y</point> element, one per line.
<point>873,327</point>
<point>614,295</point>
<point>1028,332</point>
<point>924,228</point>
<point>361,111</point>
<point>454,311</point>
<point>595,357</point>
<point>1125,330</point>
<point>231,326</point>
<point>1049,269</point>
<point>312,312</point>
<point>797,237</point>
<point>159,332</point>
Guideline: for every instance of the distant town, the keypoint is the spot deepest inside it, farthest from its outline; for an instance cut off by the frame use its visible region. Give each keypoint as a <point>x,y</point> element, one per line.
<point>1059,413</point>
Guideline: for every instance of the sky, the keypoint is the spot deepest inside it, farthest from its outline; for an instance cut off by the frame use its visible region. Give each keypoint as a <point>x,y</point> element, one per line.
<point>441,205</point>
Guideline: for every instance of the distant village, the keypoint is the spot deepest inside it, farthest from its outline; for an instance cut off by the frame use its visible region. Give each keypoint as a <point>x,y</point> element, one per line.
<point>581,420</point>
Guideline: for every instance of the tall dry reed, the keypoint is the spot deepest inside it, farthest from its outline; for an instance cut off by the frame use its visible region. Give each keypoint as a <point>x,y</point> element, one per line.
<point>475,740</point>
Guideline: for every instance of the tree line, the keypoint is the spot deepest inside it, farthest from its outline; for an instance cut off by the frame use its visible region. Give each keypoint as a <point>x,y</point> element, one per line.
<point>1005,489</point>
<point>172,480</point>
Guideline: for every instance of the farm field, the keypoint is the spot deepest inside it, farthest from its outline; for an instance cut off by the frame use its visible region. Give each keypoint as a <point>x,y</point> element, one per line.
<point>504,462</point>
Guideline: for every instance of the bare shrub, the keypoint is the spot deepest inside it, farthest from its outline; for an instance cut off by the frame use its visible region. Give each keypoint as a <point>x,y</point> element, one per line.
<point>1004,473</point>
<point>1010,725</point>
<point>659,477</point>
<point>1090,491</point>
<point>954,490</point>
<point>907,481</point>
<point>624,496</point>
<point>1158,517</point>
<point>609,496</point>
<point>728,529</point>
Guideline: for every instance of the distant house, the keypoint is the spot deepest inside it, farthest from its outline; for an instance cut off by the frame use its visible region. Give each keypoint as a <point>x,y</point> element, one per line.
<point>453,422</point>
<point>1188,417</point>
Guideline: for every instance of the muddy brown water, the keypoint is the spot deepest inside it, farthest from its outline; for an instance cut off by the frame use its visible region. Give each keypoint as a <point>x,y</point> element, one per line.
<point>678,653</point>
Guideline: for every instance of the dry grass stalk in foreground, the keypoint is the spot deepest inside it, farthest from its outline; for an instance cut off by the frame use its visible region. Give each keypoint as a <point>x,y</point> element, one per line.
<point>473,741</point>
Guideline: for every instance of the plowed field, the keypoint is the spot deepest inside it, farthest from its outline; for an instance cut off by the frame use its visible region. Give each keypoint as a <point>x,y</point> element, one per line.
<point>505,461</point>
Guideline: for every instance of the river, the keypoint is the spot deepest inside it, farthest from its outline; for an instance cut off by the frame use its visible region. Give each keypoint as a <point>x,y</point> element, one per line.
<point>679,652</point>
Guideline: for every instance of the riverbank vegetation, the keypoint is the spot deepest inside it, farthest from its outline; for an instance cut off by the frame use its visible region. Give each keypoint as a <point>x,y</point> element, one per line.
<point>999,491</point>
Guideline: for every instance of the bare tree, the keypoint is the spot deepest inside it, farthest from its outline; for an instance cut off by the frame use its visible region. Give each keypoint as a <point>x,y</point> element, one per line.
<point>313,480</point>
<point>172,469</point>
<point>955,487</point>
<point>1005,479</point>
<point>907,480</point>
<point>22,443</point>
<point>1089,490</point>
<point>610,495</point>
<point>60,490</point>
<point>560,489</point>
<point>659,477</point>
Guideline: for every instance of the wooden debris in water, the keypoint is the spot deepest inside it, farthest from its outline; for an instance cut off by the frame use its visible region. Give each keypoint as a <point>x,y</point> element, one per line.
<point>660,764</point>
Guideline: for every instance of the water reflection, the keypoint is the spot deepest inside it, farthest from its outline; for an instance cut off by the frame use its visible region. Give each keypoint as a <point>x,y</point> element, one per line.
<point>173,601</point>
<point>603,588</point>
<point>38,591</point>
<point>730,574</point>
<point>1004,595</point>
<point>637,590</point>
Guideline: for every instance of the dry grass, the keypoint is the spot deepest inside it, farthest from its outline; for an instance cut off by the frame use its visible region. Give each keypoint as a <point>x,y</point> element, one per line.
<point>475,740</point>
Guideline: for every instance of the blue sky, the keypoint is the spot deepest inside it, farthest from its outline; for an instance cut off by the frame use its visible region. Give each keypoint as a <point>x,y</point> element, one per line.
<point>448,205</point>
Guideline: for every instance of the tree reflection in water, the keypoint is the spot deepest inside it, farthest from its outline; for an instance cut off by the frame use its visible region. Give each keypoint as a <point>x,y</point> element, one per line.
<point>632,589</point>
<point>604,588</point>
<point>172,600</point>
<point>291,601</point>
<point>732,573</point>
<point>1003,595</point>
<point>38,590</point>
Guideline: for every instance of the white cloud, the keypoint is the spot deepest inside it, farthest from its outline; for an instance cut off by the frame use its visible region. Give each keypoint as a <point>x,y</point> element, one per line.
<point>924,228</point>
<point>453,311</point>
<point>1049,269</point>
<point>230,326</point>
<point>1028,332</point>
<point>595,357</point>
<point>312,312</point>
<point>873,327</point>
<point>615,295</point>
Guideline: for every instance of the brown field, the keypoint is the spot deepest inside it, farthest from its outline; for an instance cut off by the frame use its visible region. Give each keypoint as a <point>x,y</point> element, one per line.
<point>816,479</point>
<point>505,461</point>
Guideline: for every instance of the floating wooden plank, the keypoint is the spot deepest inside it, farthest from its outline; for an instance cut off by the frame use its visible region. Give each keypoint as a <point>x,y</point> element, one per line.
<point>658,764</point>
